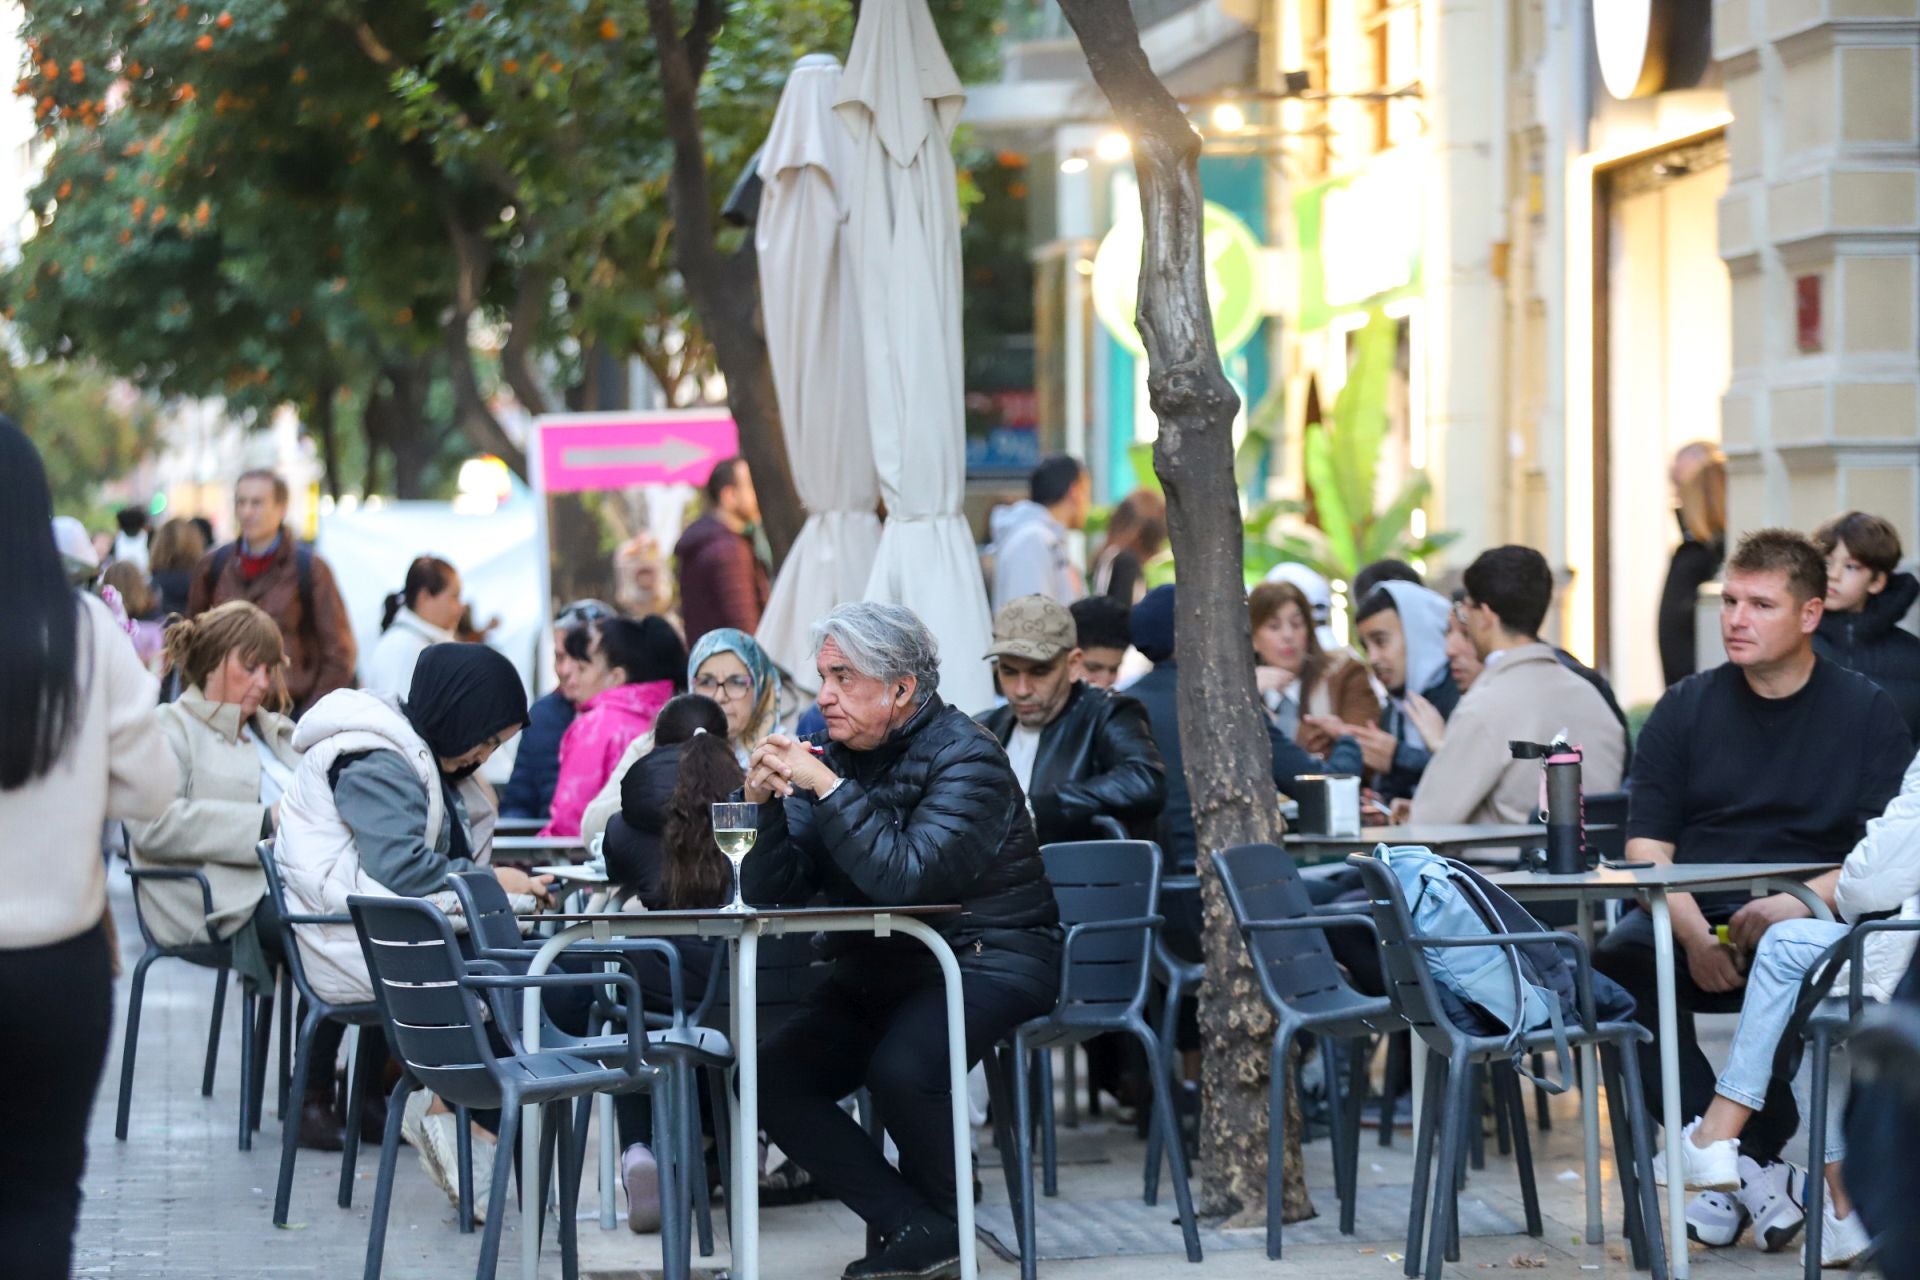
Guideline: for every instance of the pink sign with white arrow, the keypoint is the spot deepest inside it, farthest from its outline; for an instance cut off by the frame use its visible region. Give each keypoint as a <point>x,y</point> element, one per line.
<point>595,452</point>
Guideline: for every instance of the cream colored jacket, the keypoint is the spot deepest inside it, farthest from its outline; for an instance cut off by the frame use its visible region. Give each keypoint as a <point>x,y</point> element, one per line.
<point>214,821</point>
<point>114,765</point>
<point>1524,694</point>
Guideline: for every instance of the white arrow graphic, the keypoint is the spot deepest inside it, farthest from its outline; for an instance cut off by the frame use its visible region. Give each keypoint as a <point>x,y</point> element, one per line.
<point>671,453</point>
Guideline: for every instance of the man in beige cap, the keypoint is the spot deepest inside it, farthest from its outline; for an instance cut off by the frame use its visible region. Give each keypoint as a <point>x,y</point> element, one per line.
<point>1080,752</point>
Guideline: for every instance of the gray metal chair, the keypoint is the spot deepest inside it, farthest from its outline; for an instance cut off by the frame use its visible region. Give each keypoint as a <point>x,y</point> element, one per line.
<point>316,1011</point>
<point>215,954</point>
<point>1108,893</point>
<point>1453,1052</point>
<point>429,998</point>
<point>1286,943</point>
<point>1825,1028</point>
<point>681,1046</point>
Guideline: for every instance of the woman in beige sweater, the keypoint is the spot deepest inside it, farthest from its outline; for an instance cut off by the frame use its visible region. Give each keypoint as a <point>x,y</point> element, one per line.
<point>80,745</point>
<point>235,753</point>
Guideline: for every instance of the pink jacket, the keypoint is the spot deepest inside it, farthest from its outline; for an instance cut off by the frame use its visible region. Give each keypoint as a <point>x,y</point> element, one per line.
<point>594,743</point>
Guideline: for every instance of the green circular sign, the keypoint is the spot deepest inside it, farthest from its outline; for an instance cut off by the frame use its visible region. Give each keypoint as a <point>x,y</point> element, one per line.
<point>1233,279</point>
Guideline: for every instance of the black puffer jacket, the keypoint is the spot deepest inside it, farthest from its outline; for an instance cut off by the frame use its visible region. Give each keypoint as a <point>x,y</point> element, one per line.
<point>931,816</point>
<point>1096,757</point>
<point>1872,643</point>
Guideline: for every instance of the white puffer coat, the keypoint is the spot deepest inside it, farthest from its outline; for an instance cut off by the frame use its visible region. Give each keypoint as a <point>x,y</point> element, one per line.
<point>1883,874</point>
<point>314,848</point>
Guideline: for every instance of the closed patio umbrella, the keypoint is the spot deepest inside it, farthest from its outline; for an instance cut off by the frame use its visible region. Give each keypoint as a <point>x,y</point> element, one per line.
<point>899,97</point>
<point>813,341</point>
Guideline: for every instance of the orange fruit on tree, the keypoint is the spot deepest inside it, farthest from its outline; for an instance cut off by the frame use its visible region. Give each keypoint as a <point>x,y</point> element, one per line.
<point>76,72</point>
<point>609,29</point>
<point>224,21</point>
<point>204,43</point>
<point>511,66</point>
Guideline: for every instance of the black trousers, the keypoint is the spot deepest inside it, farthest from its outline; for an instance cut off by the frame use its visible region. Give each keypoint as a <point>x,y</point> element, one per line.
<point>1626,956</point>
<point>889,1033</point>
<point>56,1013</point>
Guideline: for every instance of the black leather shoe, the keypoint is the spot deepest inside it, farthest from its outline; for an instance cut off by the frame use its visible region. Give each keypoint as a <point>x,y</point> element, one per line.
<point>927,1248</point>
<point>320,1123</point>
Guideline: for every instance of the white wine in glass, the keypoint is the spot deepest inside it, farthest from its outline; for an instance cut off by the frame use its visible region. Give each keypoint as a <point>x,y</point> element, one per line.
<point>735,828</point>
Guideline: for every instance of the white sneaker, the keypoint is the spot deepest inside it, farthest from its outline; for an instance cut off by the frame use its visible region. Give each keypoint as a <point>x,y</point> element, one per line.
<point>1775,1197</point>
<point>440,1157</point>
<point>1841,1239</point>
<point>1714,1167</point>
<point>416,1110</point>
<point>1716,1219</point>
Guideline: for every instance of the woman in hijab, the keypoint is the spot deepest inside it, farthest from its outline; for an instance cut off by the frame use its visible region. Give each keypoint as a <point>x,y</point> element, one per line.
<point>384,801</point>
<point>731,668</point>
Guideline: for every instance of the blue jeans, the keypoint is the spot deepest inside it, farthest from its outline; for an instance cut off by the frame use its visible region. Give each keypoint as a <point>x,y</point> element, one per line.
<point>1786,954</point>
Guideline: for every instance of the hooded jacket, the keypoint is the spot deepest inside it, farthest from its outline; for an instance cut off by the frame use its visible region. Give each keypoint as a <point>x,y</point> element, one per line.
<point>213,823</point>
<point>1030,556</point>
<point>536,765</point>
<point>722,581</point>
<point>1095,758</point>
<point>593,744</point>
<point>1882,874</point>
<point>315,851</point>
<point>932,815</point>
<point>1872,643</point>
<point>1423,623</point>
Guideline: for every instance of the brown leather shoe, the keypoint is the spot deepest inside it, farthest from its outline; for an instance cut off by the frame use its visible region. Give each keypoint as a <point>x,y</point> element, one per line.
<point>320,1126</point>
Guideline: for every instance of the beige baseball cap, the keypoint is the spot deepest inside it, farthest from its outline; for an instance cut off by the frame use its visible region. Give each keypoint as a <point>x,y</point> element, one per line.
<point>1037,628</point>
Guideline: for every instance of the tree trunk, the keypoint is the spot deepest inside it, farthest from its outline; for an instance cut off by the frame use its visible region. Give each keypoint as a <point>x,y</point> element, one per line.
<point>326,431</point>
<point>724,288</point>
<point>1229,767</point>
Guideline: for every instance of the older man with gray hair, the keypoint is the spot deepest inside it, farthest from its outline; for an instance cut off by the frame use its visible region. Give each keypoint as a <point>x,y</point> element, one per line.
<point>906,801</point>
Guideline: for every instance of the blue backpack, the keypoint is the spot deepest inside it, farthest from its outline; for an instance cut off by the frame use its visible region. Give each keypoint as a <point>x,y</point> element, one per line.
<point>1511,991</point>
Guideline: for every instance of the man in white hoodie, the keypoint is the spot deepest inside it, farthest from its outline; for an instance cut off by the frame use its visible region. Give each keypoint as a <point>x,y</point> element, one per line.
<point>1031,552</point>
<point>1880,876</point>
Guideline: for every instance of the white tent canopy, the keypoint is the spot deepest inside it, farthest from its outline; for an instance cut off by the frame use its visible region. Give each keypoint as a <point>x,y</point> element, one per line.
<point>899,98</point>
<point>813,342</point>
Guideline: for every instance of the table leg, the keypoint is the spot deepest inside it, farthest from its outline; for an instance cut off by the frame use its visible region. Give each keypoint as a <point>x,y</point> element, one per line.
<point>957,1082</point>
<point>1670,1120</point>
<point>743,1202</point>
<point>1417,1060</point>
<point>1590,1097</point>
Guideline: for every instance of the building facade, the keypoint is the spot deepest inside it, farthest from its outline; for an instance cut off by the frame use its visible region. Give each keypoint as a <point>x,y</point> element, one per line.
<point>1632,224</point>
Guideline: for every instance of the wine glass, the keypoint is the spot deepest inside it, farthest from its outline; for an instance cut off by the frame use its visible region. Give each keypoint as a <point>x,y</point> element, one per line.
<point>735,828</point>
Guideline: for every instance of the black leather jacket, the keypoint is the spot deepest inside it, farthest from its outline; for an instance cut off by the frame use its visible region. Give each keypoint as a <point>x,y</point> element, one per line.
<point>933,815</point>
<point>1096,757</point>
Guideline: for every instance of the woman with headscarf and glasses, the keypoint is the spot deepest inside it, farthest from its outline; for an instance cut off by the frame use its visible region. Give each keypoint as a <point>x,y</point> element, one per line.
<point>730,667</point>
<point>385,801</point>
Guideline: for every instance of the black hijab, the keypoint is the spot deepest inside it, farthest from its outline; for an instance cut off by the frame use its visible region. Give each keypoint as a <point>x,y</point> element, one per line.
<point>462,695</point>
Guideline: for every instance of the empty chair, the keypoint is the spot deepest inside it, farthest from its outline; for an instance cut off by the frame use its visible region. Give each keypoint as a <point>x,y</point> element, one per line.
<point>216,954</point>
<point>1108,893</point>
<point>429,1000</point>
<point>1287,945</point>
<point>1453,1052</point>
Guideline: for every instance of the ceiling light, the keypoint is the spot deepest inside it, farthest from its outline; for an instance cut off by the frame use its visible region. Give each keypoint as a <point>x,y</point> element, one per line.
<point>1229,118</point>
<point>1113,147</point>
<point>1074,164</point>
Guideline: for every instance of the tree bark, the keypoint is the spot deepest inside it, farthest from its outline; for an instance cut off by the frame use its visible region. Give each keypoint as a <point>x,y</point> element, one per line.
<point>1228,764</point>
<point>325,430</point>
<point>723,287</point>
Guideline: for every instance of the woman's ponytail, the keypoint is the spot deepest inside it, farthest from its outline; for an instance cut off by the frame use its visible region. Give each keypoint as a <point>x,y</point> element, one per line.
<point>391,610</point>
<point>693,874</point>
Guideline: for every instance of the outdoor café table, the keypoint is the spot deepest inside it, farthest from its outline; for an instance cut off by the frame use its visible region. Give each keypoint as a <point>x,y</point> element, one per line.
<point>742,931</point>
<point>1441,837</point>
<point>1654,883</point>
<point>567,846</point>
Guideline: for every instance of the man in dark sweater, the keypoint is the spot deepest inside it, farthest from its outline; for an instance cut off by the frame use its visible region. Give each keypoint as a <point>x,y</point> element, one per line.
<point>1776,756</point>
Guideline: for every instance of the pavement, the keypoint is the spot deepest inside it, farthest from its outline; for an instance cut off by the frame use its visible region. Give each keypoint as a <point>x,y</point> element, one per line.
<point>177,1200</point>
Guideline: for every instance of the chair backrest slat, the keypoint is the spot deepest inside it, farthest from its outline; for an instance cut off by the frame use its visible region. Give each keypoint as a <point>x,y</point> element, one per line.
<point>490,918</point>
<point>1097,880</point>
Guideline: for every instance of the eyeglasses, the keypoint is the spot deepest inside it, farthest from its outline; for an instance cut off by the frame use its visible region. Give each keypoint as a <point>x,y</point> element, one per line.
<point>734,687</point>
